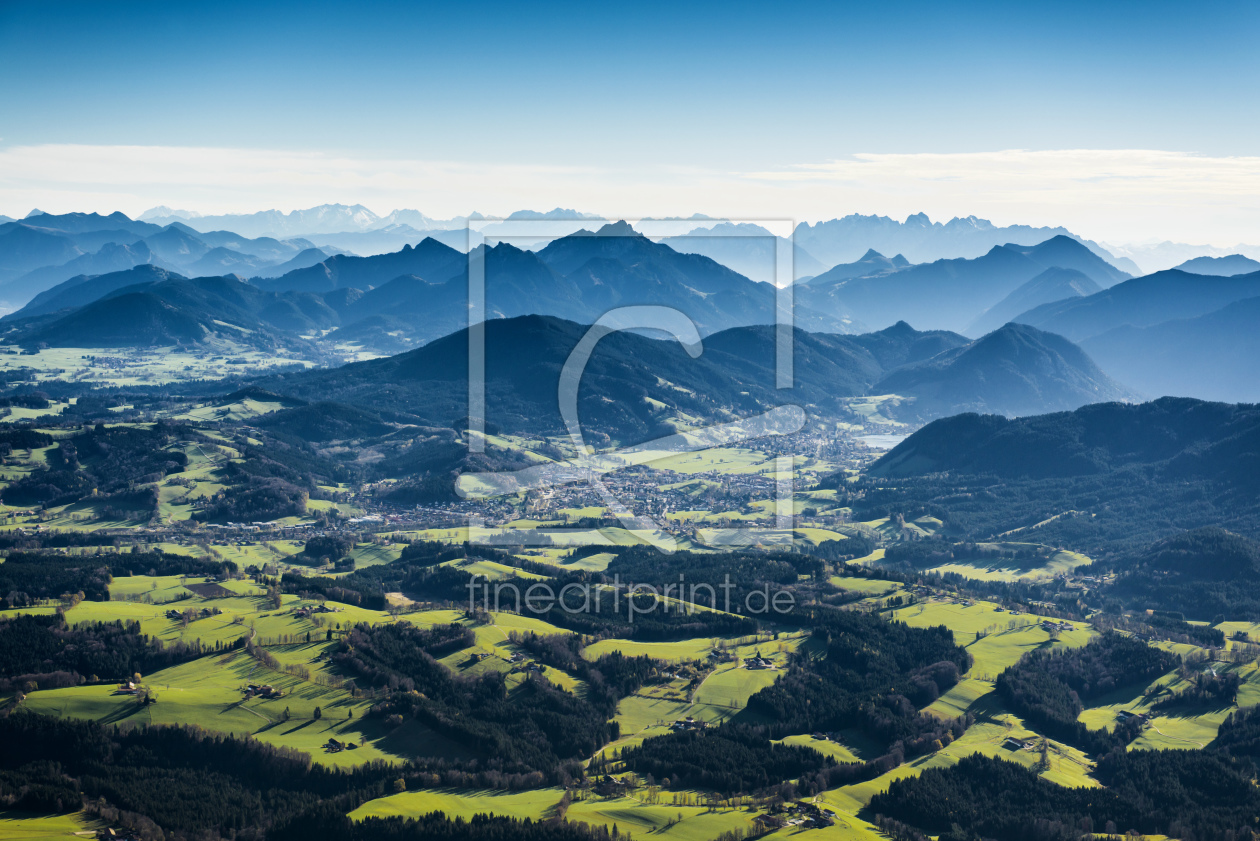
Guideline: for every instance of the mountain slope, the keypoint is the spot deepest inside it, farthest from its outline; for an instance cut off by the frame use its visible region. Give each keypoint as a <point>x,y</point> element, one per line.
<point>901,344</point>
<point>85,289</point>
<point>616,266</point>
<point>304,259</point>
<point>1211,357</point>
<point>1142,302</point>
<point>1186,437</point>
<point>1016,370</point>
<point>748,249</point>
<point>1052,285</point>
<point>24,248</point>
<point>133,319</point>
<point>430,259</point>
<point>111,257</point>
<point>1220,266</point>
<point>79,223</point>
<point>950,294</point>
<point>326,218</point>
<point>870,264</point>
<point>174,309</point>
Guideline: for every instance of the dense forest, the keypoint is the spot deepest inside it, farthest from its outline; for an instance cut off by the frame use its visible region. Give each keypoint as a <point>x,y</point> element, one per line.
<point>1180,793</point>
<point>537,727</point>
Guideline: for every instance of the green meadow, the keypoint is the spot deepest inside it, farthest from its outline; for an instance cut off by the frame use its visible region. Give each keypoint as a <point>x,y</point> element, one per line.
<point>1060,562</point>
<point>28,826</point>
<point>631,815</point>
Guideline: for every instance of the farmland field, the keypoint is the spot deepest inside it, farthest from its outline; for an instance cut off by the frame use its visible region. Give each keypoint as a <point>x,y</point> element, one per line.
<point>630,814</point>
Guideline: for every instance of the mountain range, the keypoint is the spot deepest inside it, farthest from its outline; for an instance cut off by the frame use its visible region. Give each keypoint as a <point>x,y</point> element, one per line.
<point>949,294</point>
<point>749,249</point>
<point>1054,284</point>
<point>921,240</point>
<point>151,307</point>
<point>1156,257</point>
<point>43,250</point>
<point>635,387</point>
<point>1151,333</point>
<point>1141,302</point>
<point>1015,370</point>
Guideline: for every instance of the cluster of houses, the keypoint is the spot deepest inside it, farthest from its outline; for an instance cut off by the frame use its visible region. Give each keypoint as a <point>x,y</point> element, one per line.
<point>178,615</point>
<point>758,662</point>
<point>1126,715</point>
<point>1052,625</point>
<point>803,815</point>
<point>264,691</point>
<point>337,746</point>
<point>307,612</point>
<point>688,723</point>
<point>610,786</point>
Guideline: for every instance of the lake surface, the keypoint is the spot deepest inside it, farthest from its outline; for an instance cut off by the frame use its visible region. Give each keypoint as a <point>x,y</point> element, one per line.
<point>882,442</point>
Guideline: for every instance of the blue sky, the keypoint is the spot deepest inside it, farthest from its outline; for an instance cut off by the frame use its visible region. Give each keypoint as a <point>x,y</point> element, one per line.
<point>700,93</point>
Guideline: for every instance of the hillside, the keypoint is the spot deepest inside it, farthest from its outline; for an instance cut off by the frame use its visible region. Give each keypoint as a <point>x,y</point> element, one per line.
<point>1015,370</point>
<point>1108,479</point>
<point>170,309</point>
<point>429,259</point>
<point>1142,302</point>
<point>1054,284</point>
<point>130,319</point>
<point>868,265</point>
<point>111,257</point>
<point>1211,357</point>
<point>85,289</point>
<point>1182,436</point>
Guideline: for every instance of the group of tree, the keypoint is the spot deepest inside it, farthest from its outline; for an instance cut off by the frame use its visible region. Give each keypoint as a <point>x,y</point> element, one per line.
<point>1206,795</point>
<point>875,677</point>
<point>1047,687</point>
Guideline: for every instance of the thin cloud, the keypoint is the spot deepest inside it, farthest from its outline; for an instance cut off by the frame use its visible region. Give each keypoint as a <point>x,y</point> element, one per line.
<point>1115,195</point>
